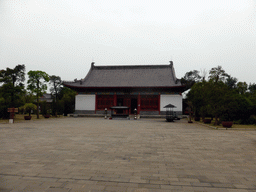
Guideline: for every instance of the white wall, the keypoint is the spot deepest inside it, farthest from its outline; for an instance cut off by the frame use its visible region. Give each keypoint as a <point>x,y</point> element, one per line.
<point>175,100</point>
<point>85,102</point>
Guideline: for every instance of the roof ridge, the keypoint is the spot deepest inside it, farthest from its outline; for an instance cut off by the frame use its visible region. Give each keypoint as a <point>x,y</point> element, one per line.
<point>129,66</point>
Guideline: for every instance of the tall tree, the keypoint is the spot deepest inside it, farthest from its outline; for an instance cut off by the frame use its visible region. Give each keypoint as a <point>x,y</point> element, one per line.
<point>217,91</point>
<point>242,87</point>
<point>15,78</point>
<point>252,88</point>
<point>217,74</point>
<point>67,96</point>
<point>16,75</point>
<point>231,82</point>
<point>252,96</point>
<point>198,96</point>
<point>12,80</point>
<point>55,90</point>
<point>56,83</point>
<point>37,85</point>
<point>190,78</point>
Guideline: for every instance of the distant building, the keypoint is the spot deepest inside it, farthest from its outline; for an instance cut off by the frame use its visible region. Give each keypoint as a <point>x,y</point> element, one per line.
<point>46,97</point>
<point>148,88</point>
<point>45,102</point>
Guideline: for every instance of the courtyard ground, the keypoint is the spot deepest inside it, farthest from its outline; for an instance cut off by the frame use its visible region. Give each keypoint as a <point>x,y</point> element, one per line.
<point>94,154</point>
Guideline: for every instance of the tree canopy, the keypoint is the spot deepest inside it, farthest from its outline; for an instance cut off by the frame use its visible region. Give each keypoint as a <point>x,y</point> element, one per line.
<point>190,78</point>
<point>222,97</point>
<point>217,74</point>
<point>11,88</point>
<point>37,84</point>
<point>14,94</point>
<point>56,85</point>
<point>13,76</point>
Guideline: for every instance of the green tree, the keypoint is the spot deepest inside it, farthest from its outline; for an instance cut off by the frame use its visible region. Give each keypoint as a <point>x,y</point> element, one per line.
<point>11,88</point>
<point>217,74</point>
<point>223,98</point>
<point>197,95</point>
<point>28,107</point>
<point>37,85</point>
<point>231,82</point>
<point>221,102</point>
<point>242,87</point>
<point>214,93</point>
<point>13,80</point>
<point>244,109</point>
<point>56,83</point>
<point>252,88</point>
<point>190,78</point>
<point>67,101</point>
<point>13,76</point>
<point>210,98</point>
<point>3,108</point>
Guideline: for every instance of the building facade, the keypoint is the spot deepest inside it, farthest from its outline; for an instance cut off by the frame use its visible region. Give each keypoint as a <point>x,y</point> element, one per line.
<point>148,88</point>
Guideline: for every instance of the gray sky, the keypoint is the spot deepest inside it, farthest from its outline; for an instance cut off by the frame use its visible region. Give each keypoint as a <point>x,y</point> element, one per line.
<point>63,37</point>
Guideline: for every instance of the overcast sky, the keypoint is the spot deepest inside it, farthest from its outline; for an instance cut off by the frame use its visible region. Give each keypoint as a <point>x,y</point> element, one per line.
<point>63,37</point>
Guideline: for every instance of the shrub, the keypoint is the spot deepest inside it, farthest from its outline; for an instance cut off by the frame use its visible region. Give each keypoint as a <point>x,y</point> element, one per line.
<point>28,107</point>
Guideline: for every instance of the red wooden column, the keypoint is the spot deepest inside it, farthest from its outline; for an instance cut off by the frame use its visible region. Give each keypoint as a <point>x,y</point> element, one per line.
<point>115,100</point>
<point>139,103</point>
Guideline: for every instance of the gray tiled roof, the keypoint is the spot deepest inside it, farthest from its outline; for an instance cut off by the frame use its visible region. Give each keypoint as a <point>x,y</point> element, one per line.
<point>46,97</point>
<point>128,76</point>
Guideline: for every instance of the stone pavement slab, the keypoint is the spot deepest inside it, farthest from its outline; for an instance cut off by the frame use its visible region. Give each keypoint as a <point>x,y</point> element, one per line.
<point>94,154</point>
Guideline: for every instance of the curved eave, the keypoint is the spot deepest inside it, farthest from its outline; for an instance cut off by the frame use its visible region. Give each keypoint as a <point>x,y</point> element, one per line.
<point>78,87</point>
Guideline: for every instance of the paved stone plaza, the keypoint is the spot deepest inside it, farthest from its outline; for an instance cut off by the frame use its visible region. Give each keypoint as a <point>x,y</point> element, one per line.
<point>94,154</point>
